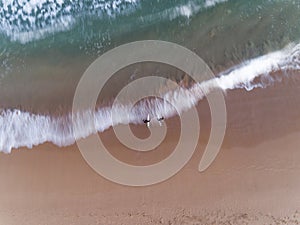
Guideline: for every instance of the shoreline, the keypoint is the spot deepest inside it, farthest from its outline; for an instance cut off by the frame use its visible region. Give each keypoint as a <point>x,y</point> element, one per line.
<point>254,178</point>
<point>253,181</point>
<point>252,116</point>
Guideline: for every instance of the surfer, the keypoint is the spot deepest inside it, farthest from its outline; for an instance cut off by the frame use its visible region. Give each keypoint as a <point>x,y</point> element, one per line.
<point>147,121</point>
<point>160,119</point>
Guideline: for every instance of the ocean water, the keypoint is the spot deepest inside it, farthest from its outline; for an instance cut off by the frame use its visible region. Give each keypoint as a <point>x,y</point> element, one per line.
<point>45,47</point>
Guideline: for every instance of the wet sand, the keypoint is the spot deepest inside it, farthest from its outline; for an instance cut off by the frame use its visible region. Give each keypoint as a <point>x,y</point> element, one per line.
<point>254,179</point>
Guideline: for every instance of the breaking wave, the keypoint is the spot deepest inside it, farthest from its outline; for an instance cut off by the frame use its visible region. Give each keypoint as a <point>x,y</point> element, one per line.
<point>24,129</point>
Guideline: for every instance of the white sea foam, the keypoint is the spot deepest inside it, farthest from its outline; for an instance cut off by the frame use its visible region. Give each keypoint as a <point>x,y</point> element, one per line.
<point>28,20</point>
<point>26,129</point>
<point>211,3</point>
<point>188,9</point>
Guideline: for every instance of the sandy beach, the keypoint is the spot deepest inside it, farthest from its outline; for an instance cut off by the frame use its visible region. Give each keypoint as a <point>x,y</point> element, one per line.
<point>257,185</point>
<point>254,179</point>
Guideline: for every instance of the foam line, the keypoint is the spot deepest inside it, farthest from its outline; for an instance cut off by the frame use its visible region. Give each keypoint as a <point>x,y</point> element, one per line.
<point>24,129</point>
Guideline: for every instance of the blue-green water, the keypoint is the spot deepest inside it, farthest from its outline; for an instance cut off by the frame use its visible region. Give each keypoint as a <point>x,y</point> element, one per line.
<point>45,46</point>
<point>94,26</point>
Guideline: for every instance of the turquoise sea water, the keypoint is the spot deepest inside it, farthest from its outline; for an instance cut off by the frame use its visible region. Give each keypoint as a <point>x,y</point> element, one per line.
<point>46,45</point>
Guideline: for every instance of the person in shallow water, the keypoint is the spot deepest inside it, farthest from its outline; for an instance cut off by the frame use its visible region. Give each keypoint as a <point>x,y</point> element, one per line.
<point>147,121</point>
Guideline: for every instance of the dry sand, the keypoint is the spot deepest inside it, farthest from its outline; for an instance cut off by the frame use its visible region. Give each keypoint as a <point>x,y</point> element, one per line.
<point>254,180</point>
